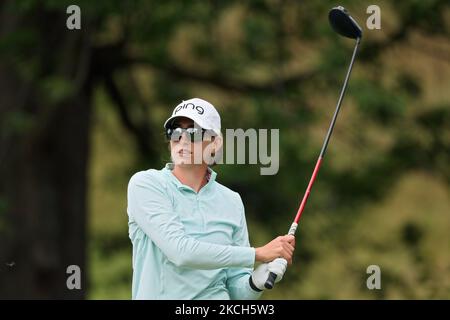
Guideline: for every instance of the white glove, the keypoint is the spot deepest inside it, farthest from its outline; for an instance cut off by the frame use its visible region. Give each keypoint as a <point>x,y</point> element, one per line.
<point>261,273</point>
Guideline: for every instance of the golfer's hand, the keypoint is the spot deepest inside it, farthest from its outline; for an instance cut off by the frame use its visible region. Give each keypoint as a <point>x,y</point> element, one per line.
<point>280,247</point>
<point>261,273</point>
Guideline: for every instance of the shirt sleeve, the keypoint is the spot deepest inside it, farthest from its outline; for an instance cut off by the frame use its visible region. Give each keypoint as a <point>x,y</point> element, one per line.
<point>151,208</point>
<point>238,278</point>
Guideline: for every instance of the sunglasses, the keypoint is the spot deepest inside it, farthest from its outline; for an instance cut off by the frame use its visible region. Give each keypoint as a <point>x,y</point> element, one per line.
<point>193,134</point>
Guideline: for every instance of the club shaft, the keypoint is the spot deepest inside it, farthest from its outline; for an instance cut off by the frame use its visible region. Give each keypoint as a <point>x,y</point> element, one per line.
<point>308,190</point>
<point>341,97</point>
<point>327,137</point>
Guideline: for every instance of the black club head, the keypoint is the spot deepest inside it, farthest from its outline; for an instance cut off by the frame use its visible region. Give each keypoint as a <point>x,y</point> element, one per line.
<point>343,23</point>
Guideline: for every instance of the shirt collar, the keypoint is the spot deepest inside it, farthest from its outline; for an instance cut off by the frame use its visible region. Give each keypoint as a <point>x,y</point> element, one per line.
<point>169,167</point>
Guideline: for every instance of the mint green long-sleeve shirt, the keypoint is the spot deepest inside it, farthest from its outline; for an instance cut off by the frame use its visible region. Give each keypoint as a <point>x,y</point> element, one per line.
<point>187,245</point>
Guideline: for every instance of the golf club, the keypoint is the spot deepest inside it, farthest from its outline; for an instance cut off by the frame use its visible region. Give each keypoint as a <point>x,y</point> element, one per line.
<point>346,26</point>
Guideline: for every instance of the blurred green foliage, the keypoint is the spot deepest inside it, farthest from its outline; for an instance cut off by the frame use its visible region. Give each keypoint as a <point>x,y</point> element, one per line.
<point>382,196</point>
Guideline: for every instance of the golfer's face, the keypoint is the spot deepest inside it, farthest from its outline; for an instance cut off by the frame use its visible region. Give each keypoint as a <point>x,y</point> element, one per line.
<point>184,151</point>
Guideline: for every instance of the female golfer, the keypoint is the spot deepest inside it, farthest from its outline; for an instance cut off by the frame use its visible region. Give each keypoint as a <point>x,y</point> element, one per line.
<point>189,233</point>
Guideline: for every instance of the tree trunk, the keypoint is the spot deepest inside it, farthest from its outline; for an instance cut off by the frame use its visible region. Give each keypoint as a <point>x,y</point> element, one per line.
<point>44,146</point>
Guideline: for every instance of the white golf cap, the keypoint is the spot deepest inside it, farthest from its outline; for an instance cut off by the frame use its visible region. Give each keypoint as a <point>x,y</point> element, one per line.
<point>198,110</point>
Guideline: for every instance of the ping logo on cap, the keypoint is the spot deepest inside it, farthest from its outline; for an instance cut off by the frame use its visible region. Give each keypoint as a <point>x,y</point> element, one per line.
<point>190,105</point>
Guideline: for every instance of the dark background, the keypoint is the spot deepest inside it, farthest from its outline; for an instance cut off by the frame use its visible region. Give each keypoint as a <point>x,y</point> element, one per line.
<point>82,110</point>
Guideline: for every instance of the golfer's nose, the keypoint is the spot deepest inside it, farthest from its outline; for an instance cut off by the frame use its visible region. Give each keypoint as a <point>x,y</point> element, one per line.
<point>184,138</point>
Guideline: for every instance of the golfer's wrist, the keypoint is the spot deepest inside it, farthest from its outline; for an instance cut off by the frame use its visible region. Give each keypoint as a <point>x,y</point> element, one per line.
<point>262,255</point>
<point>258,255</point>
